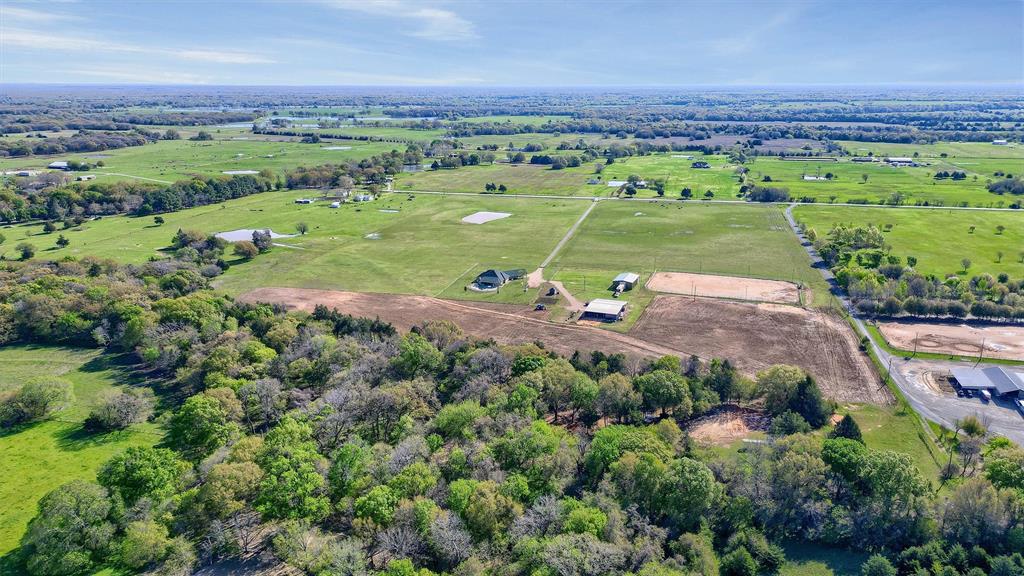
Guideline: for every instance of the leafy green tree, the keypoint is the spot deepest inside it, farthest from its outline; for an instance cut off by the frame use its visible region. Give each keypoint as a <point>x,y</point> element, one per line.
<point>739,562</point>
<point>201,426</point>
<point>145,542</point>
<point>582,519</point>
<point>70,533</point>
<point>847,428</point>
<point>416,355</point>
<point>845,457</point>
<point>245,250</point>
<point>557,378</point>
<point>456,420</point>
<point>292,486</point>
<point>378,505</point>
<point>777,385</point>
<point>39,398</point>
<point>416,479</point>
<point>144,472</point>
<point>583,398</point>
<point>617,398</point>
<point>664,390</point>
<point>229,487</point>
<point>878,565</point>
<point>690,491</point>
<point>348,473</point>
<point>809,403</point>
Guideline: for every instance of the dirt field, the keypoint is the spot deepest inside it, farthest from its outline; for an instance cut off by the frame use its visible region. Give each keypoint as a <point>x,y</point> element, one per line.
<point>732,287</point>
<point>755,336</point>
<point>752,336</point>
<point>1000,341</point>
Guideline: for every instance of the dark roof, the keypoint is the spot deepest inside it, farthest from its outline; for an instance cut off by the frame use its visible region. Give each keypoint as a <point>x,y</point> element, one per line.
<point>492,276</point>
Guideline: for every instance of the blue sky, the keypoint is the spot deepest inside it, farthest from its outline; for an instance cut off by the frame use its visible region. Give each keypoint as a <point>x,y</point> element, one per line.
<point>506,43</point>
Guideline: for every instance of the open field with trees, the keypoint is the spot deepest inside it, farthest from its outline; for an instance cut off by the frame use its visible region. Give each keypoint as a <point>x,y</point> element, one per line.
<point>939,239</point>
<point>38,457</point>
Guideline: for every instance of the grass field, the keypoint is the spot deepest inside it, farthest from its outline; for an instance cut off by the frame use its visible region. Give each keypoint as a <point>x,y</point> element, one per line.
<point>938,238</point>
<point>170,160</point>
<point>805,559</point>
<point>40,457</point>
<point>734,240</point>
<point>954,150</point>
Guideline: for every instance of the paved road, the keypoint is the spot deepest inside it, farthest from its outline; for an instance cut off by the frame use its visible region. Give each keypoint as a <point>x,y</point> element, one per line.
<point>1000,417</point>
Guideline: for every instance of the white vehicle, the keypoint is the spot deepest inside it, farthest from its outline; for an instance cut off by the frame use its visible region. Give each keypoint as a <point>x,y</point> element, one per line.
<point>335,204</point>
<point>1020,406</point>
<point>986,395</point>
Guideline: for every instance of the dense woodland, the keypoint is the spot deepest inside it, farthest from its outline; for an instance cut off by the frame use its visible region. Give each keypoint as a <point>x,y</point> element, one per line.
<point>344,447</point>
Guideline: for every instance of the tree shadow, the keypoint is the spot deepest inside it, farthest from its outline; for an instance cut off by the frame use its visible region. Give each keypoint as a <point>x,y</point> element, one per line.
<point>75,438</point>
<point>13,563</point>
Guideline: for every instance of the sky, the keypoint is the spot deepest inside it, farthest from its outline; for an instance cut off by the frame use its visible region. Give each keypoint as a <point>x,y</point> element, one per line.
<point>513,43</point>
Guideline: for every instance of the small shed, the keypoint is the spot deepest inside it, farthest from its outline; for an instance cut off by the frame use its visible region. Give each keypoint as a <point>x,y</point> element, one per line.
<point>625,281</point>
<point>999,142</point>
<point>59,165</point>
<point>604,310</point>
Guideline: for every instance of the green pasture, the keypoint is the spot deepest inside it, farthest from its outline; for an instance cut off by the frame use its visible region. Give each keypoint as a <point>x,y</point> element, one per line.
<point>734,240</point>
<point>171,160</point>
<point>37,458</point>
<point>939,239</point>
<point>953,150</point>
<point>514,119</point>
<point>519,178</point>
<point>388,132</point>
<point>549,140</point>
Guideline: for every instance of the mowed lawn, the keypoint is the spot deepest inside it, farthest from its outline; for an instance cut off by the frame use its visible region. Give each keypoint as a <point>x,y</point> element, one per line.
<point>171,160</point>
<point>734,240</point>
<point>939,239</point>
<point>40,457</point>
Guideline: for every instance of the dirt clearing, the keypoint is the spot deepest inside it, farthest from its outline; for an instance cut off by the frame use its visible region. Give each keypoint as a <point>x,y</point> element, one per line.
<point>1005,342</point>
<point>735,288</point>
<point>756,336</point>
<point>727,424</point>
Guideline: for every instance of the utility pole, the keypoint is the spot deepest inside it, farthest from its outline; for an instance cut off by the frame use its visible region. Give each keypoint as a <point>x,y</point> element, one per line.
<point>981,353</point>
<point>916,336</point>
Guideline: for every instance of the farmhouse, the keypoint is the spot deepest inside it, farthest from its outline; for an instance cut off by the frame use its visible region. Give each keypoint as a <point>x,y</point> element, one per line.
<point>900,161</point>
<point>625,281</point>
<point>59,165</point>
<point>999,381</point>
<point>604,310</point>
<point>700,164</point>
<point>493,279</point>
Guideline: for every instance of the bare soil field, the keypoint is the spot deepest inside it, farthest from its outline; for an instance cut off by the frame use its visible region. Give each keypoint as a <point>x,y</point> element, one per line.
<point>505,323</point>
<point>714,286</point>
<point>1005,342</point>
<point>752,336</point>
<point>756,336</point>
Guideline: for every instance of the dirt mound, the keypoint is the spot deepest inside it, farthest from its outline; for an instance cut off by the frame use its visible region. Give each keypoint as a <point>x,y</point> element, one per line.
<point>727,424</point>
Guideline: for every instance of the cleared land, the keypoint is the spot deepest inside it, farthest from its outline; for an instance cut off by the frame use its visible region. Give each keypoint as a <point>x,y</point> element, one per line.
<point>714,286</point>
<point>756,336</point>
<point>37,458</point>
<point>939,239</point>
<point>1005,342</point>
<point>752,336</point>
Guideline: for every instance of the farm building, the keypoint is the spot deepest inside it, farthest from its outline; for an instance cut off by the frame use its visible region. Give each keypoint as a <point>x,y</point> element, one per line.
<point>863,159</point>
<point>86,177</point>
<point>492,279</point>
<point>604,310</point>
<point>303,200</point>
<point>700,164</point>
<point>362,197</point>
<point>625,281</point>
<point>999,142</point>
<point>58,165</point>
<point>999,381</point>
<point>901,161</point>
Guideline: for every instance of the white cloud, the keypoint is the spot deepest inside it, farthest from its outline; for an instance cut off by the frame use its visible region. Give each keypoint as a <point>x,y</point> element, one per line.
<point>19,14</point>
<point>752,36</point>
<point>432,23</point>
<point>22,38</point>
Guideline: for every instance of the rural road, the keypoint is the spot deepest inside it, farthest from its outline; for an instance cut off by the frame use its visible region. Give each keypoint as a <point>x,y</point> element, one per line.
<point>999,417</point>
<point>667,199</point>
